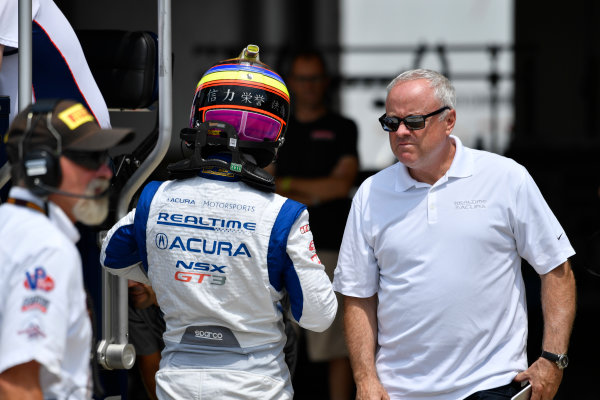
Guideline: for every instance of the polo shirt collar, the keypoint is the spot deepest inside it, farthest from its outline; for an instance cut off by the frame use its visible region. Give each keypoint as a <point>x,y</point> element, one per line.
<point>461,167</point>
<point>21,193</point>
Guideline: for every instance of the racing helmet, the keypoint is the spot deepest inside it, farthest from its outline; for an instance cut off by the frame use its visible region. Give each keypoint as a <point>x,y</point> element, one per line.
<point>248,95</point>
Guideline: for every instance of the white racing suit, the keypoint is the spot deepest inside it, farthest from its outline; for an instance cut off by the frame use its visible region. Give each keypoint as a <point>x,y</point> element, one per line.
<point>220,256</point>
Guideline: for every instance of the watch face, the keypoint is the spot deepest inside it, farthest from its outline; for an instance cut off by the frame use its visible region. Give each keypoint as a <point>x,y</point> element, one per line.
<point>563,361</point>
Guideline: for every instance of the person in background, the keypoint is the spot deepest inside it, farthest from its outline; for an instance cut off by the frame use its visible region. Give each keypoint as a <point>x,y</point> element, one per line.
<point>146,327</point>
<point>430,264</point>
<point>318,167</point>
<point>58,157</point>
<point>223,253</point>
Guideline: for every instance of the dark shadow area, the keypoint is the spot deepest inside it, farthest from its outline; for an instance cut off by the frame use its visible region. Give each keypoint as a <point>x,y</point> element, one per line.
<point>569,177</point>
<point>563,158</point>
<point>310,379</point>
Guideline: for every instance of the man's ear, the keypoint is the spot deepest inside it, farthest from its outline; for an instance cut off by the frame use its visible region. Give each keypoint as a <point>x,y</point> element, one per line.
<point>450,121</point>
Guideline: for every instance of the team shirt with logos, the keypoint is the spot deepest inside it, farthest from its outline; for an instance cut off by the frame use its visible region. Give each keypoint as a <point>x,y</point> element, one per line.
<point>59,67</point>
<point>43,313</point>
<point>220,257</point>
<point>445,263</point>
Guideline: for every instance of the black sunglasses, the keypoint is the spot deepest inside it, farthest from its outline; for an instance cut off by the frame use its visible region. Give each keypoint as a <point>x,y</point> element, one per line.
<point>412,122</point>
<point>91,160</point>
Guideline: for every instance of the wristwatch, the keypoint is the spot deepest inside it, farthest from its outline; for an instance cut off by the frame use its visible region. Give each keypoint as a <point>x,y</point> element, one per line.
<point>561,360</point>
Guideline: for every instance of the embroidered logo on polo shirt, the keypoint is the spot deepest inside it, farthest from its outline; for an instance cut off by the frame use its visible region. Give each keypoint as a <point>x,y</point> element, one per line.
<point>33,331</point>
<point>38,280</point>
<point>35,303</point>
<point>469,204</point>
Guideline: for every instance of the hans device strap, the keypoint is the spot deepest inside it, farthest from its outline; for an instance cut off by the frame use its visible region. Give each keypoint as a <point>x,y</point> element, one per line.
<point>227,138</point>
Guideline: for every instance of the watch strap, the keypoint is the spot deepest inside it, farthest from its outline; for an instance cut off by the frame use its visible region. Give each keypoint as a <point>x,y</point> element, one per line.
<point>549,356</point>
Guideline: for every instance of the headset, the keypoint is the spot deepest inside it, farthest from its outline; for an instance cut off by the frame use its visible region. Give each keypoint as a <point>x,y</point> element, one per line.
<point>40,167</point>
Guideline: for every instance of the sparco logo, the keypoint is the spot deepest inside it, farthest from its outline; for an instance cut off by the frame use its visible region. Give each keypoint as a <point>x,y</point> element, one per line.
<point>208,335</point>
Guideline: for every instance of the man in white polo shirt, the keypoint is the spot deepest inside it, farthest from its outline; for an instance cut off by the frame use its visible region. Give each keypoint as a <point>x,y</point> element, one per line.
<point>430,264</point>
<point>58,155</point>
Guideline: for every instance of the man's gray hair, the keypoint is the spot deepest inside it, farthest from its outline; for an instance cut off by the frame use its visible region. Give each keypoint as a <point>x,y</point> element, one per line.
<point>442,88</point>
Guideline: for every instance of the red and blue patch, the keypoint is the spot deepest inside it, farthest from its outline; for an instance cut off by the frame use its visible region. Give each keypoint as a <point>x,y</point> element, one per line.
<point>39,280</point>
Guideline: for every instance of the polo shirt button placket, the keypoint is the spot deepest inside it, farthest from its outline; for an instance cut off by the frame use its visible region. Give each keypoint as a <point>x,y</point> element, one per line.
<point>432,206</point>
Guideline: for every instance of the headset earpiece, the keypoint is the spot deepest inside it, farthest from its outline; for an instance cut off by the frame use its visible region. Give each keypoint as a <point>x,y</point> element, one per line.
<point>41,169</point>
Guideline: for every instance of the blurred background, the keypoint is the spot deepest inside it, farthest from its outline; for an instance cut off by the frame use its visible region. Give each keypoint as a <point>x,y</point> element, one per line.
<point>527,76</point>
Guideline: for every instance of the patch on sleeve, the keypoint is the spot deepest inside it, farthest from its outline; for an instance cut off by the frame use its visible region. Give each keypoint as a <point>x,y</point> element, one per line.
<point>38,280</point>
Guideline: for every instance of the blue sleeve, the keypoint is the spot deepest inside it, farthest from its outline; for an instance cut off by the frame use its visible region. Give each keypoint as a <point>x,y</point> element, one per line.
<point>140,222</point>
<point>121,249</point>
<point>280,267</point>
<point>126,241</point>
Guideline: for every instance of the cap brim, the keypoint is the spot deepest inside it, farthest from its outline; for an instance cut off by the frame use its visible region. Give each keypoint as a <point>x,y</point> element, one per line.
<point>103,139</point>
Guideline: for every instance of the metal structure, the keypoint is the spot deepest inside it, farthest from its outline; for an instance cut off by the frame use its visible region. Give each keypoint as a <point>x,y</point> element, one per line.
<point>25,57</point>
<point>25,68</point>
<point>114,351</point>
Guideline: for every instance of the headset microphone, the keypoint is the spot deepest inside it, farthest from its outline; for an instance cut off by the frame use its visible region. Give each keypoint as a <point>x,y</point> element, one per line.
<point>49,189</point>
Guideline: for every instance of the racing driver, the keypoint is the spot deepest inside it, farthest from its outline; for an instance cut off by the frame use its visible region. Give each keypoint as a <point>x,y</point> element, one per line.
<point>226,256</point>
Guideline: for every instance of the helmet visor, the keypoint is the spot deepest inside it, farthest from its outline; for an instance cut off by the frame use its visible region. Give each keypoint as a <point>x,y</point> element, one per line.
<point>249,125</point>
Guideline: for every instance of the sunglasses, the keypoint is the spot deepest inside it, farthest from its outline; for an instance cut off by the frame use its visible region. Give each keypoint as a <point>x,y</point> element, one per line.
<point>91,160</point>
<point>412,122</point>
